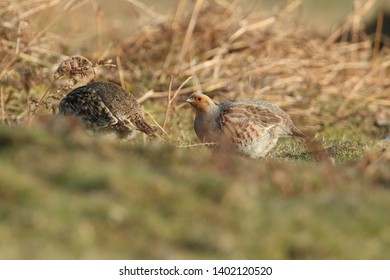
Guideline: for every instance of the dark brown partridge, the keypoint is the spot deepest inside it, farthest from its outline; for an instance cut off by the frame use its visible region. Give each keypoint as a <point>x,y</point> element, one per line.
<point>253,127</point>
<point>104,106</point>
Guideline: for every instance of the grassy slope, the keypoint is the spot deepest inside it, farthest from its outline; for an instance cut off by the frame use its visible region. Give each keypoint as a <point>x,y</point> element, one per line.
<point>66,195</point>
<point>75,197</point>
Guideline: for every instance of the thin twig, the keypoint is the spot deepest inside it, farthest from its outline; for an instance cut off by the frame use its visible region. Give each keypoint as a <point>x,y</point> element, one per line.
<point>2,105</point>
<point>99,31</point>
<point>168,103</point>
<point>120,71</point>
<point>146,96</point>
<point>146,9</point>
<point>196,145</point>
<point>170,100</point>
<point>190,29</point>
<point>158,125</point>
<point>349,22</point>
<point>378,35</point>
<point>36,9</point>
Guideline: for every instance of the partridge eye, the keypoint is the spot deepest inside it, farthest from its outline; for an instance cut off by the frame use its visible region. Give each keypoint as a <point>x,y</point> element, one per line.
<point>199,98</point>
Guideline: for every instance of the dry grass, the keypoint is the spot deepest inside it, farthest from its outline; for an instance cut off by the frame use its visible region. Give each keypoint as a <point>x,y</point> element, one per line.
<point>231,54</point>
<point>270,57</point>
<point>337,91</point>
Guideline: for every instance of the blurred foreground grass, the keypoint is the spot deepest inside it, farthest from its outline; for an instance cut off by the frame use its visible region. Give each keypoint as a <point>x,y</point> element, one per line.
<point>66,195</point>
<point>74,197</point>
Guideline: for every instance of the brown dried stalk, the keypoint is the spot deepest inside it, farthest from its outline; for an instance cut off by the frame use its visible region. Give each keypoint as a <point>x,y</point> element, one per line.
<point>171,99</point>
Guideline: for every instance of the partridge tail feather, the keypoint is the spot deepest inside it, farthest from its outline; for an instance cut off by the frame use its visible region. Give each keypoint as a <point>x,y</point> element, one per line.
<point>143,126</point>
<point>297,133</point>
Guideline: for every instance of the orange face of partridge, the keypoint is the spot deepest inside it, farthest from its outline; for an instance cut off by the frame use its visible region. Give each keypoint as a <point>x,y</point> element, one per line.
<point>200,102</point>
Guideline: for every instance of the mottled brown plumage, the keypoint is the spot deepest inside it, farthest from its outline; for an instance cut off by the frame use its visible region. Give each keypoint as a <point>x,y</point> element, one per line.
<point>104,106</point>
<point>252,126</point>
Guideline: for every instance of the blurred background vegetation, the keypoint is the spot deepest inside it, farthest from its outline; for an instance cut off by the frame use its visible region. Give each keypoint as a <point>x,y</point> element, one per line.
<point>65,194</point>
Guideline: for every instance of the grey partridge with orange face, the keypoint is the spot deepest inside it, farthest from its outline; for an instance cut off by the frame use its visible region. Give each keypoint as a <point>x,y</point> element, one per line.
<point>253,127</point>
<point>104,106</point>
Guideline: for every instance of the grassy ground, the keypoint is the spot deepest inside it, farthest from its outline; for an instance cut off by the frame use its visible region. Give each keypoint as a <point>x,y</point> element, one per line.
<point>63,197</point>
<point>65,194</point>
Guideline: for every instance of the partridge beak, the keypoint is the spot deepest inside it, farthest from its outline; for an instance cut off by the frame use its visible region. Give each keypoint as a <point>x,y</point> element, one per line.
<point>190,100</point>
